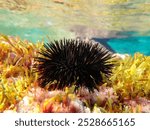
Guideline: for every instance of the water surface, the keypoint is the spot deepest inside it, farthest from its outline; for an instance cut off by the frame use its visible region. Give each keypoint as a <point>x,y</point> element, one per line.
<point>124,23</point>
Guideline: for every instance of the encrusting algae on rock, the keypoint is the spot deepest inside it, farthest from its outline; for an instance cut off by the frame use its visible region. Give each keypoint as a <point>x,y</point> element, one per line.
<point>127,89</point>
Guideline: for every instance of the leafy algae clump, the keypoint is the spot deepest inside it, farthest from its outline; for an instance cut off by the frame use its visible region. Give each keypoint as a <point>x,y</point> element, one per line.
<point>16,76</point>
<point>131,77</point>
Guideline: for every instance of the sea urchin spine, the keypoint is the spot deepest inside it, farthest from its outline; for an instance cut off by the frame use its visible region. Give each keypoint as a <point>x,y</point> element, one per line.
<point>75,62</point>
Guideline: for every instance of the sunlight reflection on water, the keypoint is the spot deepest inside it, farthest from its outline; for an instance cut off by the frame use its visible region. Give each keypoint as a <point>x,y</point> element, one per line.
<point>34,20</point>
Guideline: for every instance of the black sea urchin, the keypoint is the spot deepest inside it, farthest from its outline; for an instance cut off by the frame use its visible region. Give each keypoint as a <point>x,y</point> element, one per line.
<point>75,62</point>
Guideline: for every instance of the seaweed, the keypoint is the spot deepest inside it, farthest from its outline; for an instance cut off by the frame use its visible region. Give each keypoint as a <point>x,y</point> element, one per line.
<point>16,73</point>
<point>131,77</point>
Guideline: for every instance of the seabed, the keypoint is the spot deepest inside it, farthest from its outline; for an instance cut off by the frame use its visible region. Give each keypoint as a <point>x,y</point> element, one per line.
<point>128,89</point>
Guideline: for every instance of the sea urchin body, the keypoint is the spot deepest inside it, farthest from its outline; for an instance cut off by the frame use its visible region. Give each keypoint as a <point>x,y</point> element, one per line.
<point>75,62</point>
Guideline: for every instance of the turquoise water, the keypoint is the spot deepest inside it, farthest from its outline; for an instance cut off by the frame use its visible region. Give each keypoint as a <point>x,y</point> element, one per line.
<point>129,45</point>
<point>123,25</point>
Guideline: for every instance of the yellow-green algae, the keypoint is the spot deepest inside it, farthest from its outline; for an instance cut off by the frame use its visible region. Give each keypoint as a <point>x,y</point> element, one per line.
<point>127,90</point>
<point>131,77</point>
<point>16,74</point>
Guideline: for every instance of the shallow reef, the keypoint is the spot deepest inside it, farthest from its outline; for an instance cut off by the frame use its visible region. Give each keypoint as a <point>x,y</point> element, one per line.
<point>127,90</point>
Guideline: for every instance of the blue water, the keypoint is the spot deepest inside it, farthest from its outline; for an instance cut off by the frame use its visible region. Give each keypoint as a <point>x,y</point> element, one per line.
<point>128,45</point>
